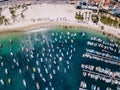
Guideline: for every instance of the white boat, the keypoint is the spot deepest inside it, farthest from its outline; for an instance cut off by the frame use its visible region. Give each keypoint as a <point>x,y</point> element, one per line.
<point>71,51</point>
<point>50,84</point>
<point>83,84</point>
<point>0,44</point>
<point>37,55</point>
<point>52,88</point>
<point>20,71</point>
<point>55,39</point>
<point>72,41</point>
<point>17,63</point>
<point>50,55</point>
<point>83,34</point>
<point>37,63</point>
<point>10,40</point>
<point>22,49</point>
<point>60,37</point>
<point>54,62</point>
<point>49,50</point>
<point>65,41</point>
<point>50,66</point>
<point>6,71</point>
<point>46,88</point>
<point>33,76</point>
<point>51,46</point>
<point>1,57</point>
<point>67,62</point>
<point>32,56</point>
<point>14,60</point>
<point>27,67</point>
<point>54,72</point>
<point>11,53</point>
<point>68,67</point>
<point>37,86</point>
<point>62,54</point>
<point>2,82</point>
<point>13,67</point>
<point>57,55</point>
<point>46,70</point>
<point>70,57</point>
<point>41,75</point>
<point>68,33</point>
<point>24,83</point>
<point>67,53</point>
<point>51,76</point>
<point>52,34</point>
<point>44,79</point>
<point>58,68</point>
<point>28,60</point>
<point>41,59</point>
<point>43,54</point>
<point>53,50</point>
<point>64,70</point>
<point>38,70</point>
<point>60,59</point>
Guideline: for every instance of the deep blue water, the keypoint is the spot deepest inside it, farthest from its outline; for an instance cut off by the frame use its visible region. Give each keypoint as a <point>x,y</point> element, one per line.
<point>59,51</point>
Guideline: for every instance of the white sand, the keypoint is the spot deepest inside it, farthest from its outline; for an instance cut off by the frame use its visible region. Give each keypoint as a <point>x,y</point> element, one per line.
<point>48,15</point>
<point>51,11</point>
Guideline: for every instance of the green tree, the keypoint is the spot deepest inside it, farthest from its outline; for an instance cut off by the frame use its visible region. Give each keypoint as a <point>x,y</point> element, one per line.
<point>22,16</point>
<point>0,11</point>
<point>2,20</point>
<point>95,18</point>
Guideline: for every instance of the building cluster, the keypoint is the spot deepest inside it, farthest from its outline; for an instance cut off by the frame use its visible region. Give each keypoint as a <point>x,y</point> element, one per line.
<point>107,6</point>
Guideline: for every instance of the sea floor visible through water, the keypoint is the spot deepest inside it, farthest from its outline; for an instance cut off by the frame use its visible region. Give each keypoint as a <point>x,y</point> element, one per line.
<point>53,59</point>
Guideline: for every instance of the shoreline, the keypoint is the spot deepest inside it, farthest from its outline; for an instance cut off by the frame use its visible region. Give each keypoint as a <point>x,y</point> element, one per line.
<point>53,24</point>
<point>60,15</point>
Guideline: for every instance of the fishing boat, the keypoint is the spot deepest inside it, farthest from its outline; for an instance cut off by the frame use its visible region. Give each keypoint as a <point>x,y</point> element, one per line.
<point>9,80</point>
<point>34,69</point>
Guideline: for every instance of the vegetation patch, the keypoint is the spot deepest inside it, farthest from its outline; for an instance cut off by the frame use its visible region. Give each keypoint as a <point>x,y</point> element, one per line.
<point>109,21</point>
<point>95,18</point>
<point>79,16</point>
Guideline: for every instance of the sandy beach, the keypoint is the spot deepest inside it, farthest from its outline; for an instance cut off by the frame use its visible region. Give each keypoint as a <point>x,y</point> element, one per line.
<point>51,15</point>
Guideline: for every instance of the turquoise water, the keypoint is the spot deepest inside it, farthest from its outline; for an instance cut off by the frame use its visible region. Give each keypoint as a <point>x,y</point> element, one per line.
<point>52,52</point>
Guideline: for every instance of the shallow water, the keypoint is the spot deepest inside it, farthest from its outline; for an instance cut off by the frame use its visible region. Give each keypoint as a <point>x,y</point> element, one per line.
<point>57,53</point>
